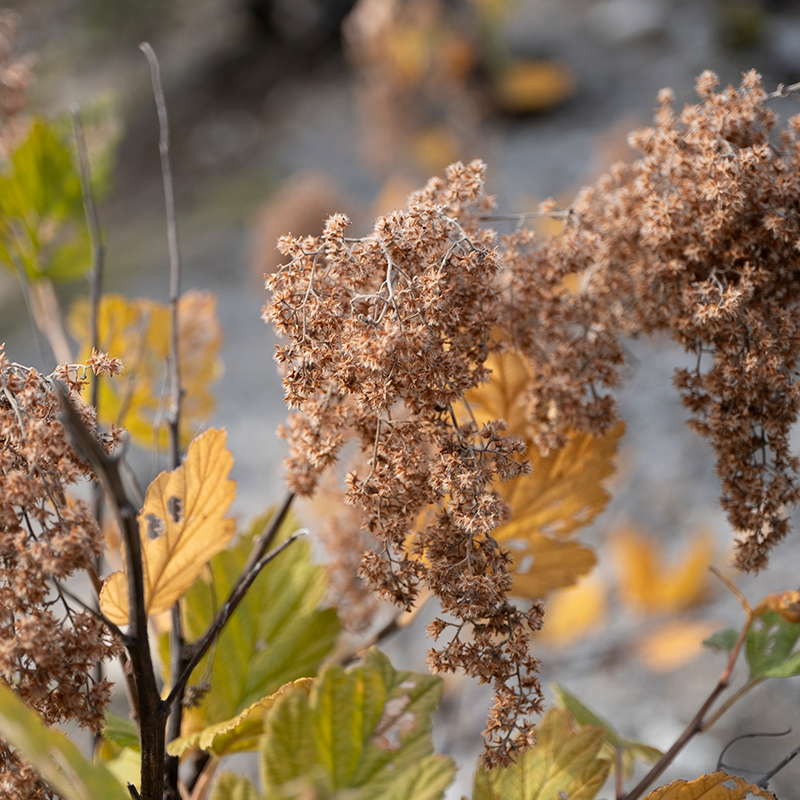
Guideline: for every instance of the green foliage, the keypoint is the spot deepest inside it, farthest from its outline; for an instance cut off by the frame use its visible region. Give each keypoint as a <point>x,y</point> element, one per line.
<point>770,648</point>
<point>230,786</point>
<point>57,760</point>
<point>42,227</point>
<point>631,751</point>
<point>722,641</point>
<point>277,634</point>
<point>564,763</point>
<point>361,733</point>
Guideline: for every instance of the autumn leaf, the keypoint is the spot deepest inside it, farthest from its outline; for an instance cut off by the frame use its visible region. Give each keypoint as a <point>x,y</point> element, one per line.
<point>564,763</point>
<point>717,786</point>
<point>528,86</point>
<point>138,332</point>
<point>542,564</point>
<point>574,614</point>
<point>673,644</point>
<point>646,585</point>
<point>182,526</point>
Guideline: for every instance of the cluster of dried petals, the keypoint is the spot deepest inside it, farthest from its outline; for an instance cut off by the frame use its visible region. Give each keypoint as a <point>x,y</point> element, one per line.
<point>15,77</point>
<point>384,335</point>
<point>49,649</point>
<point>700,237</point>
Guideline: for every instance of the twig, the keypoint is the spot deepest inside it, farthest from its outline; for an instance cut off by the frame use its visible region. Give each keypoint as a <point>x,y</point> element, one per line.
<point>783,91</point>
<point>152,712</point>
<point>697,723</point>
<point>96,290</point>
<point>199,648</point>
<point>264,541</point>
<point>178,654</point>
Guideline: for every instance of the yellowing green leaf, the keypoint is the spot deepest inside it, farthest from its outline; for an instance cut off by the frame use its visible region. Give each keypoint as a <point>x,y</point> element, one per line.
<point>182,526</point>
<point>364,732</point>
<point>238,734</point>
<point>542,564</point>
<point>277,634</point>
<point>717,786</point>
<point>56,759</point>
<point>564,763</point>
<point>647,586</point>
<point>138,332</point>
<point>230,786</point>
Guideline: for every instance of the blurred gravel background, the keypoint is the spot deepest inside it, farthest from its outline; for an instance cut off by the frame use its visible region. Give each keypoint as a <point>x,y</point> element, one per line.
<point>259,93</point>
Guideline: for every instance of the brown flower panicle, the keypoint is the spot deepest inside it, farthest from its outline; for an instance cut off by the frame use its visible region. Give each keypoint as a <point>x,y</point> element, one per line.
<point>385,335</point>
<point>49,649</point>
<point>700,238</point>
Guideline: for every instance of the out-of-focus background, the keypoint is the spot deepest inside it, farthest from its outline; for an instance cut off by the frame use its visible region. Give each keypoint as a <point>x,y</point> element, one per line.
<point>283,111</point>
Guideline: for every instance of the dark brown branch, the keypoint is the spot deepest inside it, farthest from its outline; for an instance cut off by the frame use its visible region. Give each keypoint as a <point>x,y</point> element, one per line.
<point>199,648</point>
<point>152,712</point>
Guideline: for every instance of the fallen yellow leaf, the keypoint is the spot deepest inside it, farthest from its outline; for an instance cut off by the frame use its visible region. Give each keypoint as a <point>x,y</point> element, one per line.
<point>542,564</point>
<point>673,644</point>
<point>575,613</point>
<point>646,585</point>
<point>182,526</point>
<point>717,786</point>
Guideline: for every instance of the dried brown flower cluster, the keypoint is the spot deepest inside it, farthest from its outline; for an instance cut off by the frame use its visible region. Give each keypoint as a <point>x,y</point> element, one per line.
<point>48,649</point>
<point>385,335</point>
<point>15,77</point>
<point>701,238</point>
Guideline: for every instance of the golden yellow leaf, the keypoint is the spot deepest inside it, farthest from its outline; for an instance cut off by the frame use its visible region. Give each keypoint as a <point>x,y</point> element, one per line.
<point>673,644</point>
<point>542,564</point>
<point>526,87</point>
<point>646,585</point>
<point>575,613</point>
<point>138,332</point>
<point>182,526</point>
<point>717,786</point>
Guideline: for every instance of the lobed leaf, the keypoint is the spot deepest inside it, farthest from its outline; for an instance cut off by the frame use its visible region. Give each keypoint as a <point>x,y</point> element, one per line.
<point>182,525</point>
<point>58,761</point>
<point>362,733</point>
<point>564,763</point>
<point>717,786</point>
<point>278,633</point>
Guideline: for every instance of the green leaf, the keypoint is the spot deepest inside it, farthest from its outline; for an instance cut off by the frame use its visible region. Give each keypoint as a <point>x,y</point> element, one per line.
<point>42,227</point>
<point>769,648</point>
<point>363,733</point>
<point>237,735</point>
<point>121,732</point>
<point>277,634</point>
<point>230,786</point>
<point>564,763</point>
<point>722,641</point>
<point>632,751</point>
<point>57,760</point>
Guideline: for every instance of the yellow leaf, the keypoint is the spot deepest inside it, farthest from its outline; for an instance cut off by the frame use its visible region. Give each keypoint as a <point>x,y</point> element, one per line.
<point>647,586</point>
<point>527,87</point>
<point>138,332</point>
<point>182,526</point>
<point>565,490</point>
<point>717,786</point>
<point>672,644</point>
<point>575,613</point>
<point>542,564</point>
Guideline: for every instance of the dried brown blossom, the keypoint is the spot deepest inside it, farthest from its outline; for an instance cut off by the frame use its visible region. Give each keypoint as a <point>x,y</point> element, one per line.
<point>48,648</point>
<point>385,335</point>
<point>701,238</point>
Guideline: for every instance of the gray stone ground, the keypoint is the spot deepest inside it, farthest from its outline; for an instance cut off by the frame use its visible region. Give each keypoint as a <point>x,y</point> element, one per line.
<point>622,53</point>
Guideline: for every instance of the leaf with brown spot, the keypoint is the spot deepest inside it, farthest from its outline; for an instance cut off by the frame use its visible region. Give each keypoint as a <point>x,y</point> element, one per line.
<point>182,526</point>
<point>717,786</point>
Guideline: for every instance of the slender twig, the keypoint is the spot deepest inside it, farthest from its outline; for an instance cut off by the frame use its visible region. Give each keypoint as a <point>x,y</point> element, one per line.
<point>697,723</point>
<point>783,91</point>
<point>152,711</point>
<point>199,648</point>
<point>96,290</point>
<point>734,698</point>
<point>178,654</point>
<point>263,542</point>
